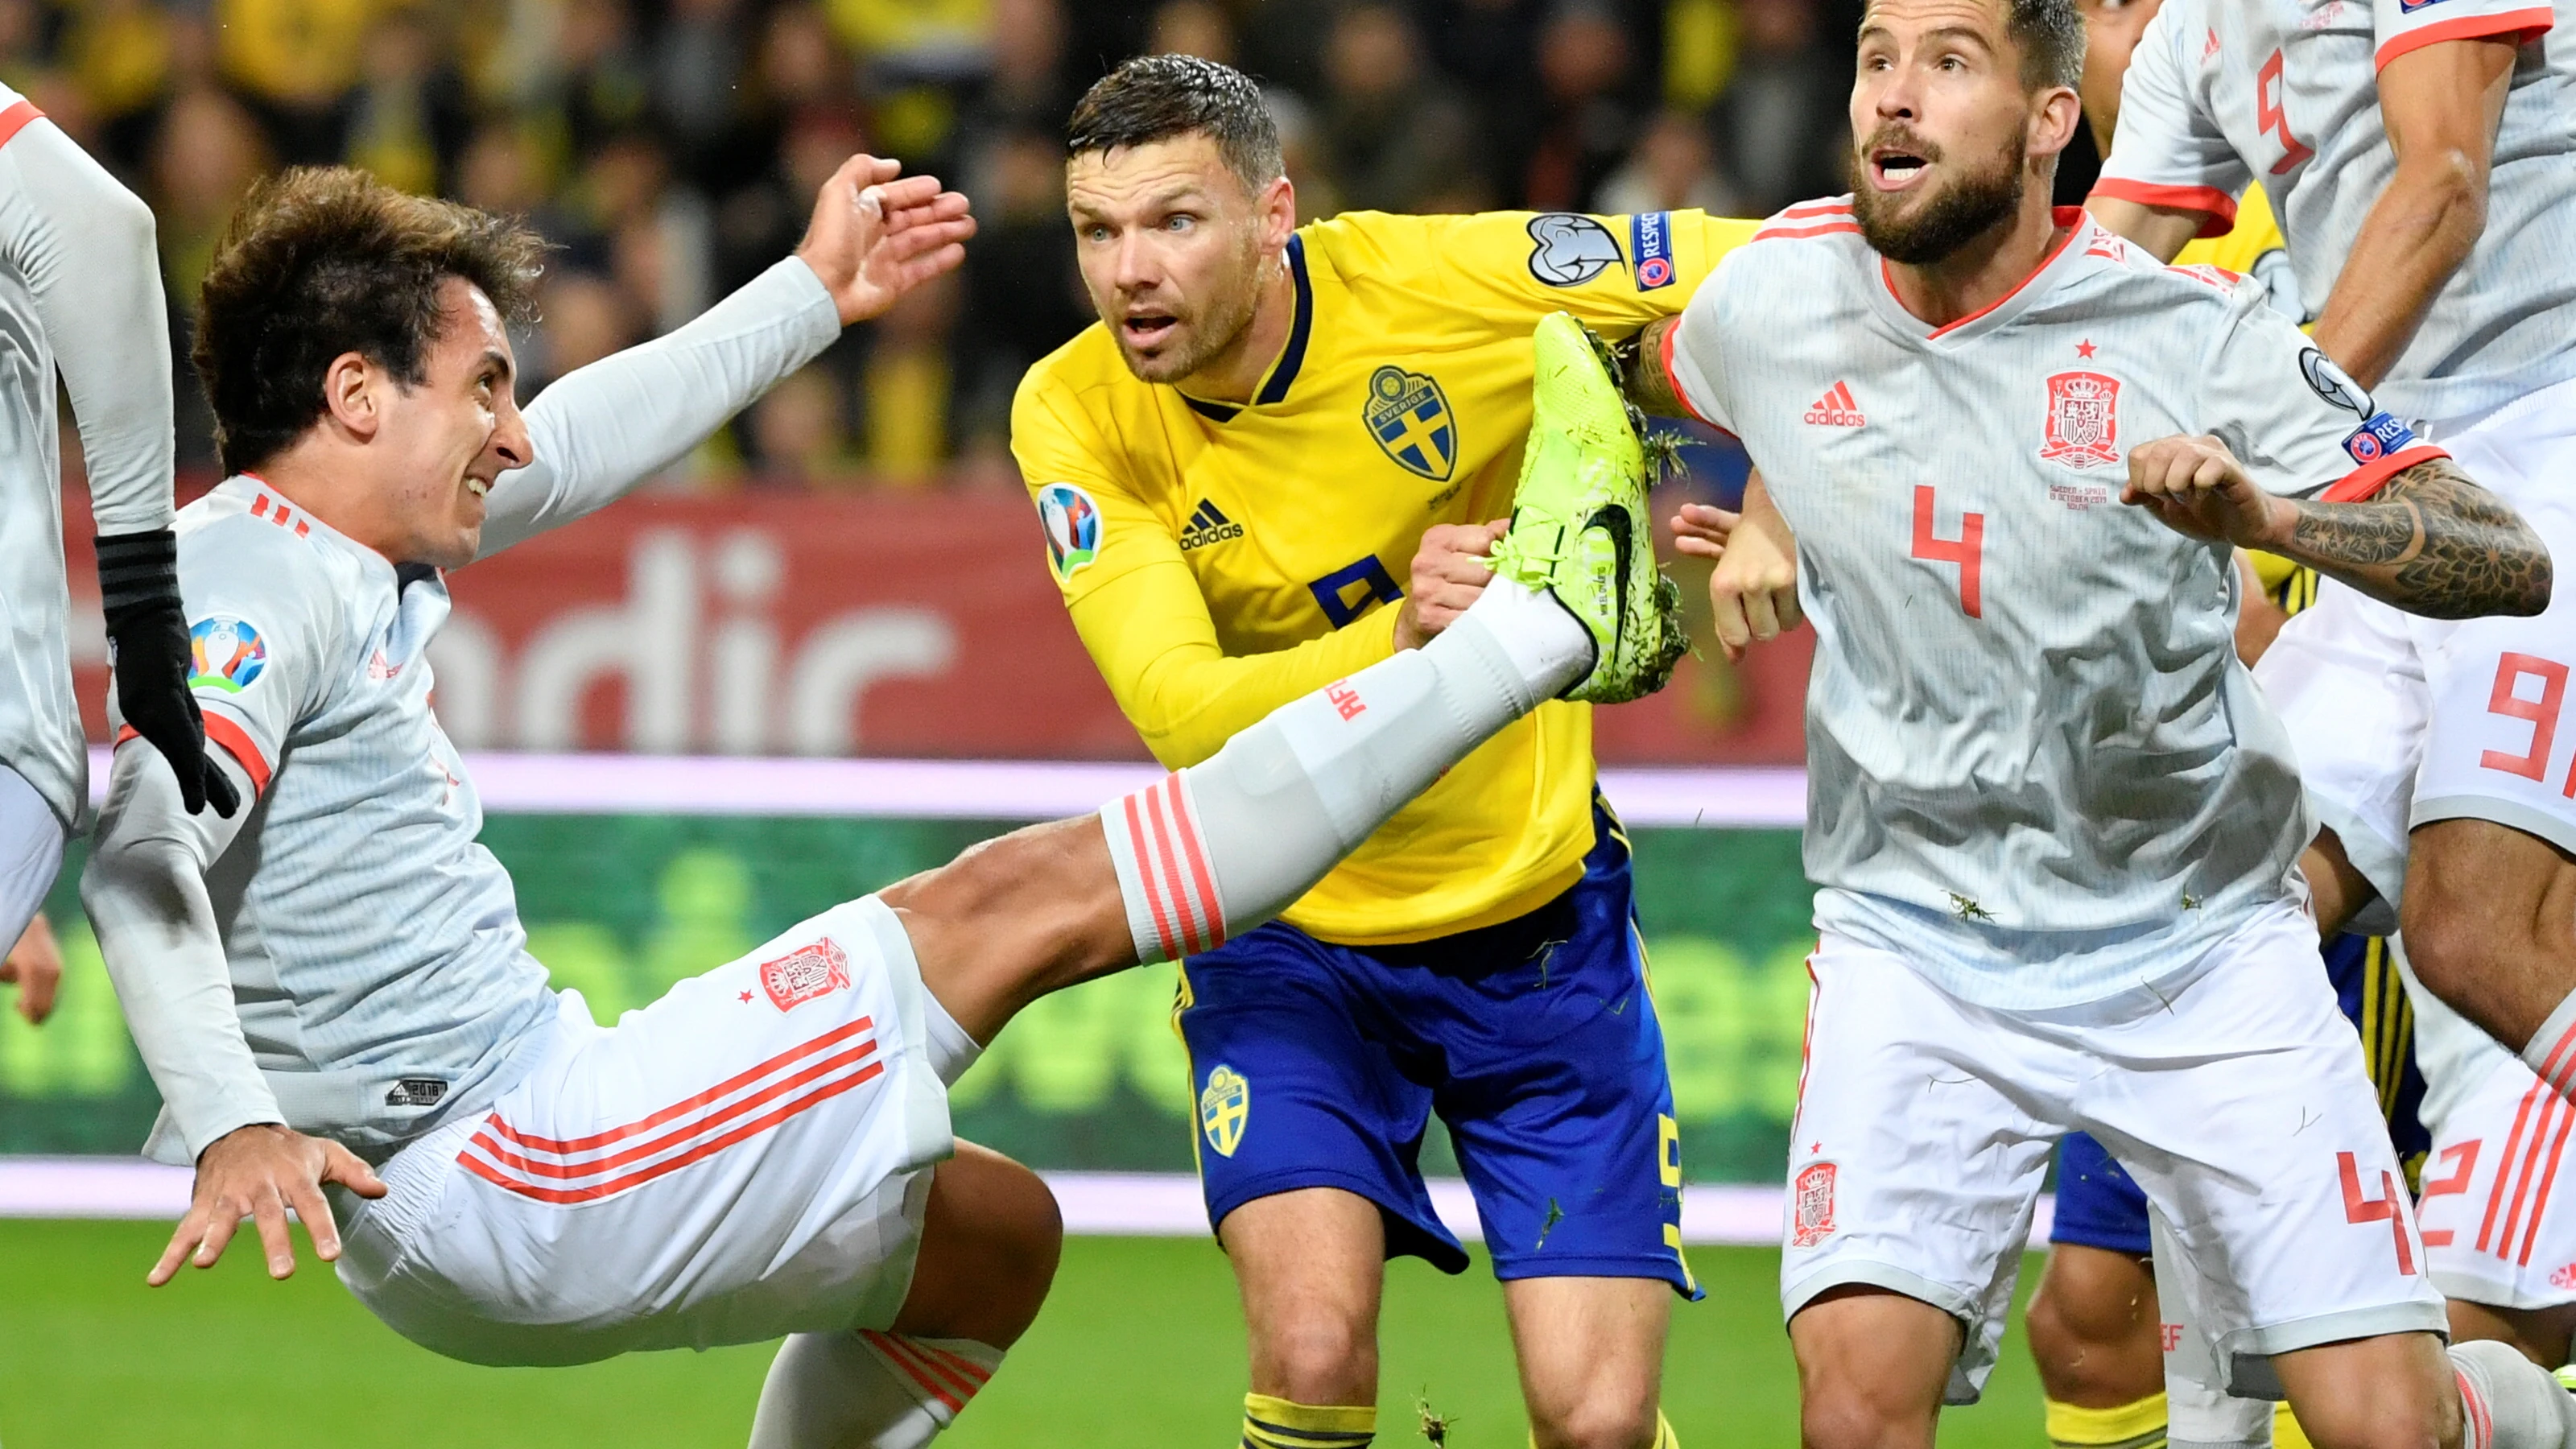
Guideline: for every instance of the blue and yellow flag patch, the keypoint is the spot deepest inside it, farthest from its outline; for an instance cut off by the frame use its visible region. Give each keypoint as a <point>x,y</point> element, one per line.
<point>1409,416</point>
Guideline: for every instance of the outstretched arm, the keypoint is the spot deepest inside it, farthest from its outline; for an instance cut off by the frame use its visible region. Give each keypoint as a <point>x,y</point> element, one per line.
<point>2430,541</point>
<point>605,428</point>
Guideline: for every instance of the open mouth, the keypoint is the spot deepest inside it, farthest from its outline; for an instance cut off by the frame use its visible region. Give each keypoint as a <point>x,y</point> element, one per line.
<point>1146,330</point>
<point>1894,168</point>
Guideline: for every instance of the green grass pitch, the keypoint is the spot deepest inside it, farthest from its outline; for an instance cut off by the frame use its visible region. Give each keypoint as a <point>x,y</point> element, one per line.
<point>1139,1346</point>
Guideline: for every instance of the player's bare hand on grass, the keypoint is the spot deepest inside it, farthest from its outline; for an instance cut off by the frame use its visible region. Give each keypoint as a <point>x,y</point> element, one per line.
<point>1753,592</point>
<point>1449,571</point>
<point>259,1172</point>
<point>874,238</point>
<point>35,967</point>
<point>2195,487</point>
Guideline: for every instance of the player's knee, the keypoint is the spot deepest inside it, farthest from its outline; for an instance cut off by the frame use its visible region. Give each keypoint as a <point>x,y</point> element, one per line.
<point>990,1241</point>
<point>1847,1415</point>
<point>1606,1416</point>
<point>1317,1356</point>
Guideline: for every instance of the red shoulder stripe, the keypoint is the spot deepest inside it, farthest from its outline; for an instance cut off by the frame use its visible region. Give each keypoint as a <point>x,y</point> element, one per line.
<point>2521,26</point>
<point>2217,208</point>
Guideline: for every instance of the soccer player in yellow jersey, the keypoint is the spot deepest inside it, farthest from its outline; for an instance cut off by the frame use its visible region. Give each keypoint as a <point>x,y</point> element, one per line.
<point>1275,461</point>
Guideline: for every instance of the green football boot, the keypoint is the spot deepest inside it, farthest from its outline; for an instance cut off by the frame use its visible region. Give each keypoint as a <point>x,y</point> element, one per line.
<point>1580,528</point>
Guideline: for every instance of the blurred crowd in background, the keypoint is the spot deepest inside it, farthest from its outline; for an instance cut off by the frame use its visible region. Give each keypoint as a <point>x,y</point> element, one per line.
<point>671,150</point>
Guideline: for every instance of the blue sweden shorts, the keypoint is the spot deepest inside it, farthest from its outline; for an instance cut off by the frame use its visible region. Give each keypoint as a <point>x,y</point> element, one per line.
<point>1535,1040</point>
<point>2098,1206</point>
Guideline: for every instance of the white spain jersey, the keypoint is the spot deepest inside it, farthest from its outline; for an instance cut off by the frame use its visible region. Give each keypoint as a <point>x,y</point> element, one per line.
<point>2286,92</point>
<point>378,966</point>
<point>2035,765</point>
<point>80,295</point>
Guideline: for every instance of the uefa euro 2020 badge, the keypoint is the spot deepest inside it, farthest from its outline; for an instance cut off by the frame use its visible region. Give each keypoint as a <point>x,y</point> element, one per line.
<point>1223,1107</point>
<point>224,653</point>
<point>2083,420</point>
<point>1072,523</point>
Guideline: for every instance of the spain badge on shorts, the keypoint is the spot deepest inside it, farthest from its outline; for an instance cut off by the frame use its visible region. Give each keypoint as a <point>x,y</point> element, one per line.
<point>1812,1198</point>
<point>1223,1107</point>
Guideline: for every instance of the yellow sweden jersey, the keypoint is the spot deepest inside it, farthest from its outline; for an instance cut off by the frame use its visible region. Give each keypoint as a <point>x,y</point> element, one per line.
<point>1221,560</point>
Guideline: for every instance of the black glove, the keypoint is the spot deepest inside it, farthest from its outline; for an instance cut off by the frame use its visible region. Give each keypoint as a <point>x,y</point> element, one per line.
<point>147,636</point>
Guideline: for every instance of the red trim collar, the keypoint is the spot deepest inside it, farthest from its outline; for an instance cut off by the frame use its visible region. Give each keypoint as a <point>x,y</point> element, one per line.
<point>2071,218</point>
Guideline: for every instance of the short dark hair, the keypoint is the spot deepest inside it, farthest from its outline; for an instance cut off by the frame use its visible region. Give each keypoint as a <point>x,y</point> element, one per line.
<point>2051,37</point>
<point>1157,97</point>
<point>325,260</point>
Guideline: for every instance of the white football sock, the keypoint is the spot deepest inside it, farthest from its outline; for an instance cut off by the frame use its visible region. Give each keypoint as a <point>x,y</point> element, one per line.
<point>2509,1402</point>
<point>867,1390</point>
<point>2551,1052</point>
<point>1225,845</point>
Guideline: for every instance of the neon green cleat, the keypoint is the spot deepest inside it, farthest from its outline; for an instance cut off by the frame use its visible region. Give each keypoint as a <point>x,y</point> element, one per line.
<point>1580,528</point>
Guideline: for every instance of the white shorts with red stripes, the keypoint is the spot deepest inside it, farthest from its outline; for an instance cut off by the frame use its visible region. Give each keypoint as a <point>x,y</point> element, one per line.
<point>2494,1231</point>
<point>2234,1094</point>
<point>743,1159</point>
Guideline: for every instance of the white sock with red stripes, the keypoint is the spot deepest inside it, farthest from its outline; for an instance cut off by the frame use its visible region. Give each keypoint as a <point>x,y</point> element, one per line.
<point>867,1390</point>
<point>2509,1402</point>
<point>1225,845</point>
<point>2551,1052</point>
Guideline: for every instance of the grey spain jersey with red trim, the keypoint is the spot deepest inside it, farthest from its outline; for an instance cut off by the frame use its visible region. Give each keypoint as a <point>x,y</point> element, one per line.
<point>2036,767</point>
<point>379,968</point>
<point>2286,91</point>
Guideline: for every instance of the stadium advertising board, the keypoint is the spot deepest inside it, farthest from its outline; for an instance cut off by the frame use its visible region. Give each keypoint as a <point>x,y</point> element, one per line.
<point>619,907</point>
<point>884,625</point>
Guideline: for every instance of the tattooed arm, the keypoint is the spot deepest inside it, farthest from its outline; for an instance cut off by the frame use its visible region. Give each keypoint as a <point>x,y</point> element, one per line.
<point>1641,363</point>
<point>2430,541</point>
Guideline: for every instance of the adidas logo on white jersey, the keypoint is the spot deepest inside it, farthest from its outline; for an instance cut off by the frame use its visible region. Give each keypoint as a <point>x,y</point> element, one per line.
<point>1208,526</point>
<point>1836,409</point>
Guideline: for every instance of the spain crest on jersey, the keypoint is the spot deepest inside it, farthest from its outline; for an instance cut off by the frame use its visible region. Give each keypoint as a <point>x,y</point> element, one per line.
<point>2083,420</point>
<point>1409,416</point>
<point>1223,1107</point>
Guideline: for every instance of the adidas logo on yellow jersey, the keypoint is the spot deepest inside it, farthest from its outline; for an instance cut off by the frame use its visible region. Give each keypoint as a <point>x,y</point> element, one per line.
<point>1208,526</point>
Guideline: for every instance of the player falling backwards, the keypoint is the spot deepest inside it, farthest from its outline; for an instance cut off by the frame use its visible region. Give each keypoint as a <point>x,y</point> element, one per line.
<point>2427,185</point>
<point>333,988</point>
<point>80,292</point>
<point>1234,468</point>
<point>2053,825</point>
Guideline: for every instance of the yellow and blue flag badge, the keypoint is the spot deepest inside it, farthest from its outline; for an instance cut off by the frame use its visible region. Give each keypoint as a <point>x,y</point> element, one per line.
<point>1223,1107</point>
<point>224,653</point>
<point>1409,416</point>
<point>1072,524</point>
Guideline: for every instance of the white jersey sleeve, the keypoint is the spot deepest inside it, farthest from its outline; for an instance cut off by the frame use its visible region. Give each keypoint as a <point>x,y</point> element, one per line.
<point>85,246</point>
<point>602,429</point>
<point>2300,426</point>
<point>2398,26</point>
<point>266,650</point>
<point>2168,150</point>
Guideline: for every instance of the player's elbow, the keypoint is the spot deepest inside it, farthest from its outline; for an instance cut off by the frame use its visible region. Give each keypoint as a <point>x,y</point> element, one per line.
<point>2455,940</point>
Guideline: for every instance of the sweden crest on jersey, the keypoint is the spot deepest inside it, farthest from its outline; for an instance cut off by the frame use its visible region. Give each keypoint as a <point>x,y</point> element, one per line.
<point>1223,1107</point>
<point>1409,416</point>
